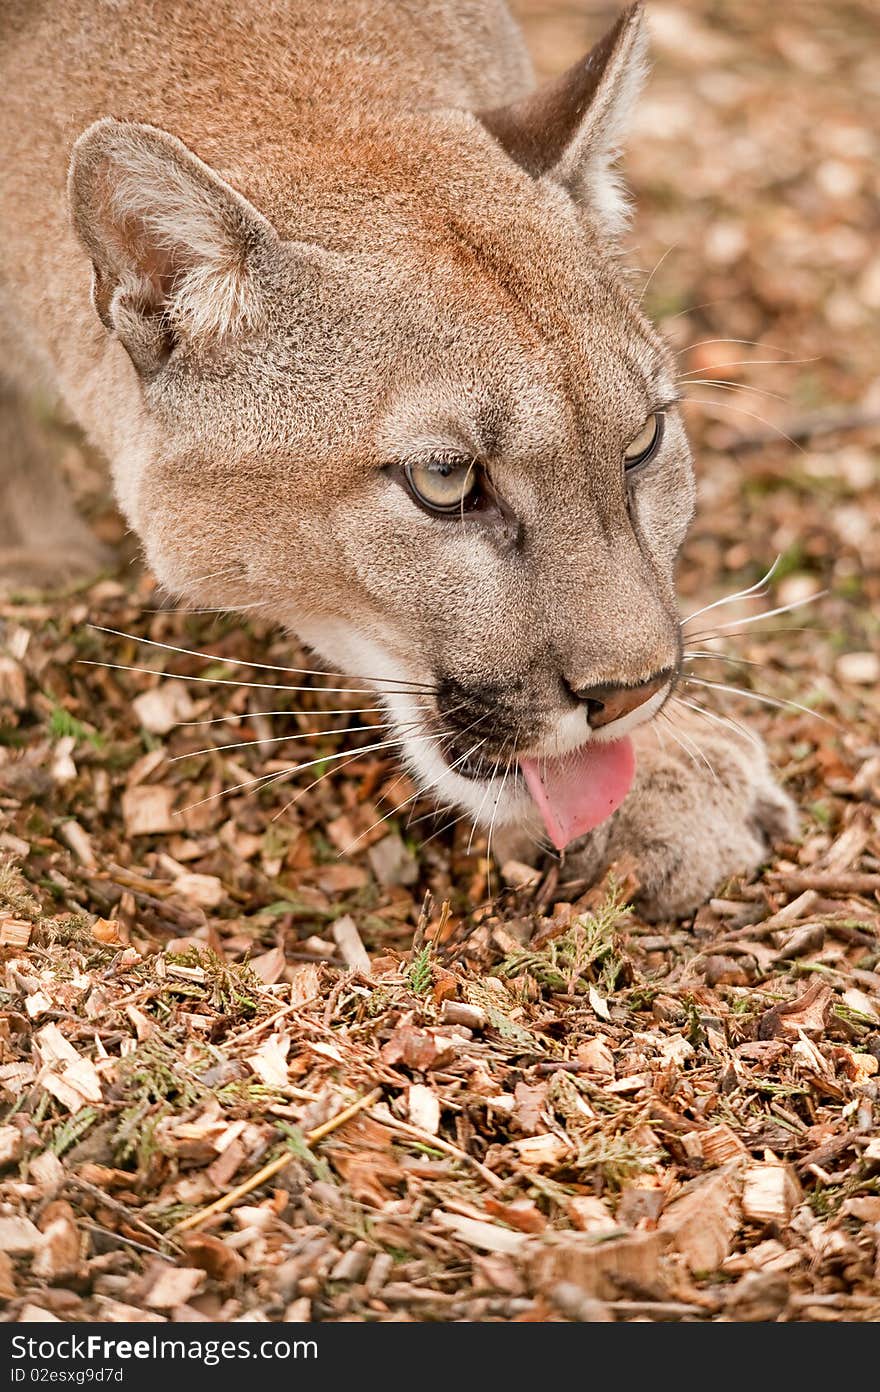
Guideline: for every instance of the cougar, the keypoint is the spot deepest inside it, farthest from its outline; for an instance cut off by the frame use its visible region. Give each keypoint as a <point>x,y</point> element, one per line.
<point>335,288</point>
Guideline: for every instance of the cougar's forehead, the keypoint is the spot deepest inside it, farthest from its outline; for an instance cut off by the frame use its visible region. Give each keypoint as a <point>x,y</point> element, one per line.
<point>551,407</point>
<point>525,335</point>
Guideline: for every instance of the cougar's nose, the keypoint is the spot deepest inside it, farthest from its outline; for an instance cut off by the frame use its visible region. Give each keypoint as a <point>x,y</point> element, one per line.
<point>613,701</point>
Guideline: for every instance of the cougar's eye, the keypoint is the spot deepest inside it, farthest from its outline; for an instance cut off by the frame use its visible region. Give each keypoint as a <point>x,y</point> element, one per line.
<point>645,445</point>
<point>444,485</point>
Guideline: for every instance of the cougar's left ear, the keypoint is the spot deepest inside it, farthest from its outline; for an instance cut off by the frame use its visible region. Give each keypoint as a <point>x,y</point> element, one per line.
<point>571,130</point>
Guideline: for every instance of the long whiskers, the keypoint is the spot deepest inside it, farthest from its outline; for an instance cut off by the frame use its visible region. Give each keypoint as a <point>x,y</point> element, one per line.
<point>489,781</point>
<point>740,594</point>
<point>228,681</point>
<point>442,737</point>
<point>746,342</point>
<point>717,718</point>
<point>696,654</point>
<point>748,362</point>
<point>753,618</point>
<point>647,285</point>
<point>778,701</point>
<point>260,666</point>
<point>264,780</point>
<point>328,773</point>
<point>687,745</point>
<point>300,734</point>
<point>279,739</point>
<point>729,406</point>
<point>252,715</point>
<point>500,795</point>
<point>418,794</point>
<point>725,384</point>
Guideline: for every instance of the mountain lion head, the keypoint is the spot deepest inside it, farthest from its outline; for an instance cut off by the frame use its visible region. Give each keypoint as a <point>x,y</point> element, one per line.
<point>399,396</point>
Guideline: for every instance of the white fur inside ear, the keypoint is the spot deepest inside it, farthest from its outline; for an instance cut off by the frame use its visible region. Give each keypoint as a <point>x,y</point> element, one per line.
<point>162,227</point>
<point>180,227</point>
<point>587,165</point>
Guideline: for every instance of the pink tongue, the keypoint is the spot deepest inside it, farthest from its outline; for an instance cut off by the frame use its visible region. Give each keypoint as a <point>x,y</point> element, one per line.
<point>576,792</point>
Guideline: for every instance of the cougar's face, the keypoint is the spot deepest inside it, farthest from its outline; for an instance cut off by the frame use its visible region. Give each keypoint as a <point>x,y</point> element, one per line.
<point>404,404</point>
<point>461,475</point>
<point>518,535</point>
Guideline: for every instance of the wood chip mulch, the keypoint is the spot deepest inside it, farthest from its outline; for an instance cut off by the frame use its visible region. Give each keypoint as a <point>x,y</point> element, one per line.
<point>323,1059</point>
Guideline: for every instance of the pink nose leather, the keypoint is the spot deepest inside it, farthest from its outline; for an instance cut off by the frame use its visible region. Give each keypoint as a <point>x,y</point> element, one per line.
<point>605,704</point>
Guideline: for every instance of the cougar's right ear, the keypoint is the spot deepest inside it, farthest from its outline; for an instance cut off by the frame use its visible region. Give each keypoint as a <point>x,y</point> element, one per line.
<point>571,129</point>
<point>172,245</point>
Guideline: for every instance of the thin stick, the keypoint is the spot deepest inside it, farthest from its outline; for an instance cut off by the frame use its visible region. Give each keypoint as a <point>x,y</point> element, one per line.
<point>129,1241</point>
<point>271,1020</point>
<point>116,1207</point>
<point>195,1220</point>
<point>829,881</point>
<point>438,1143</point>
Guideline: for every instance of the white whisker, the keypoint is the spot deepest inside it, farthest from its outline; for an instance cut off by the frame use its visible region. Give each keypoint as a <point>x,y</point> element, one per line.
<point>489,782</point>
<point>687,745</point>
<point>280,739</point>
<point>710,655</point>
<point>267,778</point>
<point>351,758</point>
<point>494,815</point>
<point>746,342</point>
<point>420,792</point>
<point>447,826</point>
<point>228,681</point>
<point>756,618</point>
<point>750,362</point>
<point>668,252</point>
<point>252,715</point>
<point>328,773</point>
<point>757,633</point>
<point>780,702</point>
<point>260,666</point>
<point>720,720</point>
<point>753,415</point>
<point>173,608</point>
<point>725,384</point>
<point>740,594</point>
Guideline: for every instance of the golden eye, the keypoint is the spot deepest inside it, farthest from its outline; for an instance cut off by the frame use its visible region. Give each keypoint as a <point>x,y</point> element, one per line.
<point>645,445</point>
<point>444,485</point>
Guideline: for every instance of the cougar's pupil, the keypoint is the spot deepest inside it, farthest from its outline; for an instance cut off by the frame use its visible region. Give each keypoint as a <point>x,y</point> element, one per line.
<point>444,485</point>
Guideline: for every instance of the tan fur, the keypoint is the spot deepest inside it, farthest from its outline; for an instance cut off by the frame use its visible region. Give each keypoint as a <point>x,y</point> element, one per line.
<point>316,253</point>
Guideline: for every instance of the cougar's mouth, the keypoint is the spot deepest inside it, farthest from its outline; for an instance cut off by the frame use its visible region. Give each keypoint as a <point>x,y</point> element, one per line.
<point>575,792</point>
<point>572,792</point>
<point>500,776</point>
<point>480,769</point>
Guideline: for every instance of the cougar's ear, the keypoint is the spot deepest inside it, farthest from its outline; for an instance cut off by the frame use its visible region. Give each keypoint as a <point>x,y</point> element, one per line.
<point>571,130</point>
<point>172,246</point>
